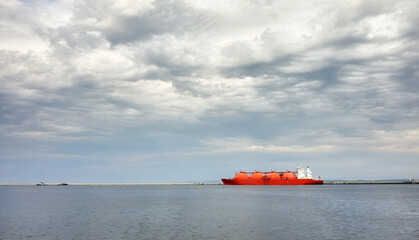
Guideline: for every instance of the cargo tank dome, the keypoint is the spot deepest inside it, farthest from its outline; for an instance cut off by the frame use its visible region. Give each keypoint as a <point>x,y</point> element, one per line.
<point>241,176</point>
<point>256,175</point>
<point>273,175</point>
<point>289,175</point>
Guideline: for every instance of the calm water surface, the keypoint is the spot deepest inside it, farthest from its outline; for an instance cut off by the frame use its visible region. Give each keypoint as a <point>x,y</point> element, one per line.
<point>212,212</point>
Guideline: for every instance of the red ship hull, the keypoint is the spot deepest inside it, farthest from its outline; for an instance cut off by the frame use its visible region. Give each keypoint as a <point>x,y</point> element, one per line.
<point>268,181</point>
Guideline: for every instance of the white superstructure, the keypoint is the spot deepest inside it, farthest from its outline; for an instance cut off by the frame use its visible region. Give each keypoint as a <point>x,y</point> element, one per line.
<point>302,175</point>
<point>309,175</point>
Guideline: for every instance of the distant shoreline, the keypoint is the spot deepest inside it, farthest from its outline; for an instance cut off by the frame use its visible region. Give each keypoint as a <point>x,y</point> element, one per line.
<point>220,183</point>
<point>107,184</point>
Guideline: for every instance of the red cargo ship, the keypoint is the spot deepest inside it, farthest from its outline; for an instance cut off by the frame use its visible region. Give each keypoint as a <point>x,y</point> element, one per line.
<point>273,178</point>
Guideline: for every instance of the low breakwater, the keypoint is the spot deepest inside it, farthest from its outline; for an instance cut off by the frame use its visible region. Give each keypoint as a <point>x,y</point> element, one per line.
<point>108,184</point>
<point>371,182</point>
<point>183,184</point>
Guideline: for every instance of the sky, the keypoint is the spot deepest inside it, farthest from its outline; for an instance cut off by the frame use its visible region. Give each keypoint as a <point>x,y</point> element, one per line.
<point>189,91</point>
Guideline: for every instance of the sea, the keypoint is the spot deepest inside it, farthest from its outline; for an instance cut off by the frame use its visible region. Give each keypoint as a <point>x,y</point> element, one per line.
<point>210,212</point>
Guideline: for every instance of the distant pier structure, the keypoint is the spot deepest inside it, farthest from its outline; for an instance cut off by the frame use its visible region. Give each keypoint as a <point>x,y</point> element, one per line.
<point>372,182</point>
<point>410,181</point>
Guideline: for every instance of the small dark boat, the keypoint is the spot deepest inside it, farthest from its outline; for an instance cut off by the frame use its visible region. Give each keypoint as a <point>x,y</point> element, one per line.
<point>41,184</point>
<point>62,184</point>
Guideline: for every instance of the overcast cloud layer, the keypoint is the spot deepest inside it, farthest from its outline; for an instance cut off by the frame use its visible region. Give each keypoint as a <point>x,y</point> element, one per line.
<point>173,91</point>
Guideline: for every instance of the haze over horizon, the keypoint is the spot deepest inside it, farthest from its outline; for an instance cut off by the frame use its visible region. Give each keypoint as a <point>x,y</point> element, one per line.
<point>184,91</point>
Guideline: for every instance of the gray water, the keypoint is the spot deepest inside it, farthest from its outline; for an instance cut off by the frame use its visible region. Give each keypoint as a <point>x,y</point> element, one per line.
<point>211,212</point>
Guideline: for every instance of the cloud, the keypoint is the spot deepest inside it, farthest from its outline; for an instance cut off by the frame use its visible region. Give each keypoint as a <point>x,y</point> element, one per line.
<point>149,78</point>
<point>397,141</point>
<point>129,21</point>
